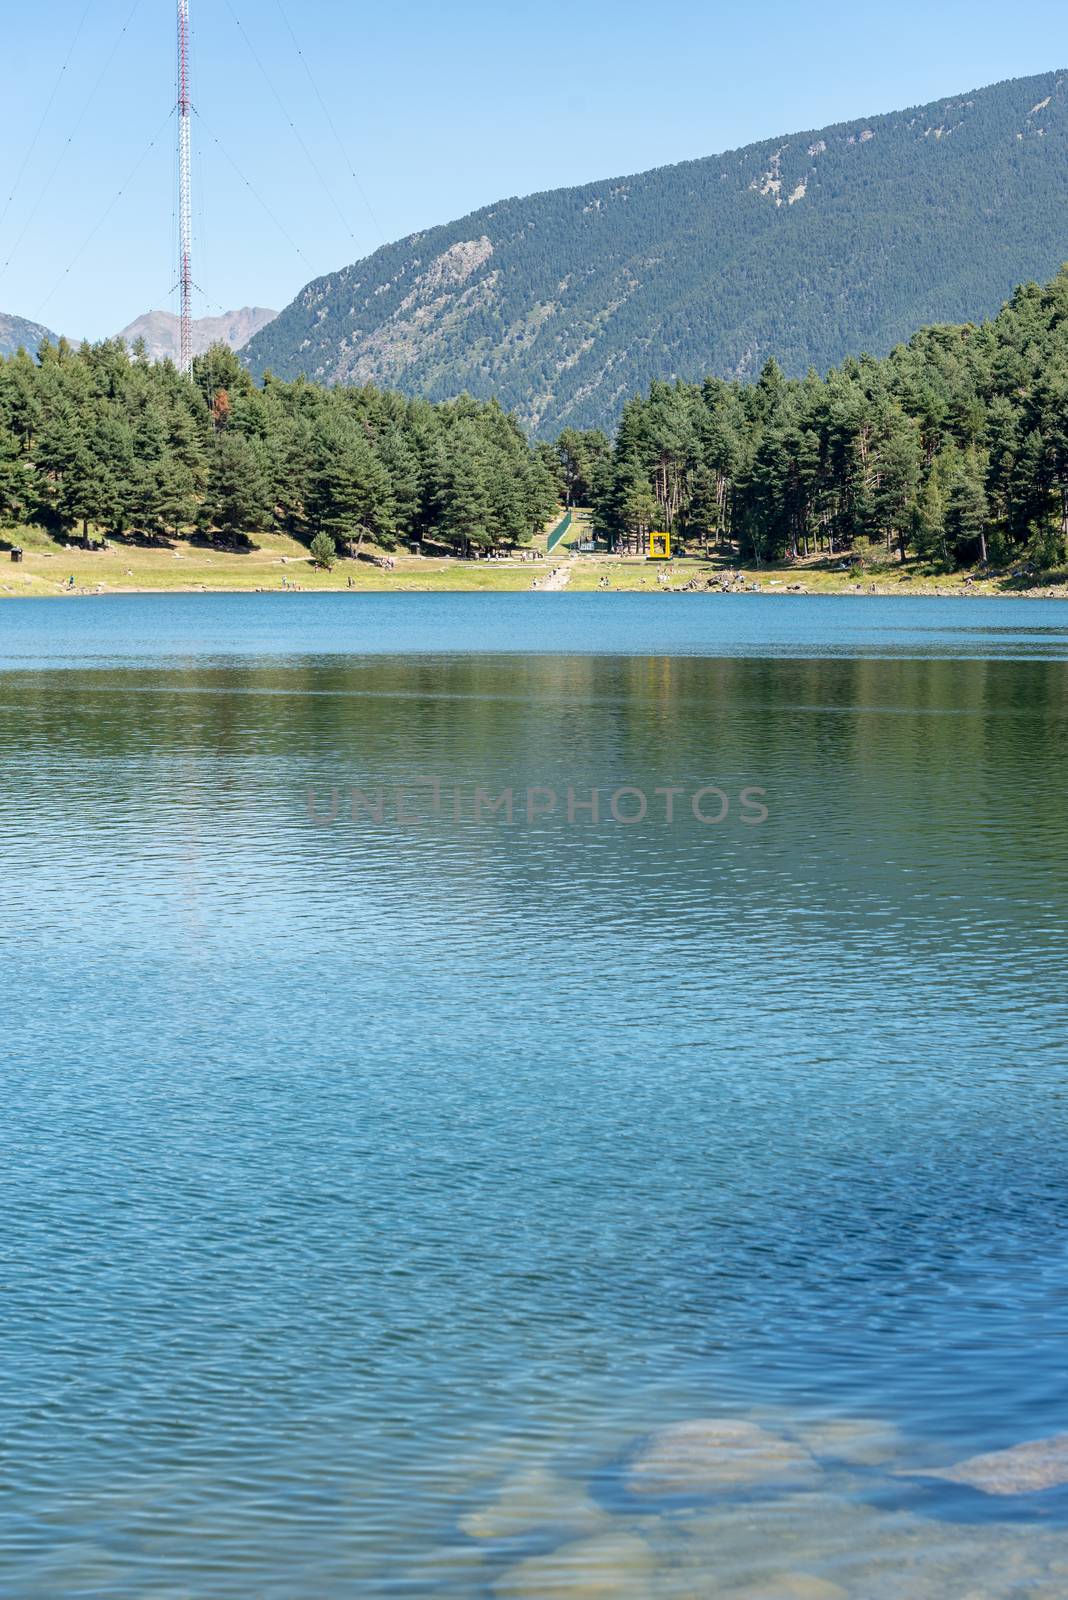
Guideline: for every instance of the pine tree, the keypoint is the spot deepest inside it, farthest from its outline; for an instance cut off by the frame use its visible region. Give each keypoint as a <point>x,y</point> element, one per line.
<point>640,511</point>
<point>928,521</point>
<point>236,499</point>
<point>176,500</point>
<point>893,499</point>
<point>323,551</point>
<point>13,481</point>
<point>967,510</point>
<point>349,494</point>
<point>462,493</point>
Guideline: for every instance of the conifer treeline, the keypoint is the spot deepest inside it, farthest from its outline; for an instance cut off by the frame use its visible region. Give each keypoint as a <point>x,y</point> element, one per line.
<point>955,448</point>
<point>91,439</point>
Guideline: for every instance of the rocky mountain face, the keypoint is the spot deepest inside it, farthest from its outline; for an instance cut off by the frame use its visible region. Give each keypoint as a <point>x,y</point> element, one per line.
<point>160,331</point>
<point>16,331</point>
<point>808,247</point>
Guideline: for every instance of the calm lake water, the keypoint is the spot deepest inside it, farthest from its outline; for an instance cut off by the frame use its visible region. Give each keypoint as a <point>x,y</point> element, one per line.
<point>373,1189</point>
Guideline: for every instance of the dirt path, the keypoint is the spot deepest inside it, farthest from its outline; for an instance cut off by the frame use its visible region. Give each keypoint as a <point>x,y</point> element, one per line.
<point>559,577</point>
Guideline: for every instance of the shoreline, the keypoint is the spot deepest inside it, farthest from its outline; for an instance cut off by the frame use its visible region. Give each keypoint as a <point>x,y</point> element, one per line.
<point>105,593</point>
<point>876,591</point>
<point>279,564</point>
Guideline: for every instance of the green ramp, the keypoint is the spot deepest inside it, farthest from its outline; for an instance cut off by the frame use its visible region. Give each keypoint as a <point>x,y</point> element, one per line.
<point>558,533</point>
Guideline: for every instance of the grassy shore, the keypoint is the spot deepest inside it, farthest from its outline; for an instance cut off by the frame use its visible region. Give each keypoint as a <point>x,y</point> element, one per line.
<point>278,563</point>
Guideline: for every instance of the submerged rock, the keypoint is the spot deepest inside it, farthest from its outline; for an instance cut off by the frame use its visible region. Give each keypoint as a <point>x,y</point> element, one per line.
<point>789,1586</point>
<point>857,1441</point>
<point>617,1566</point>
<point>1023,1469</point>
<point>710,1454</point>
<point>534,1498</point>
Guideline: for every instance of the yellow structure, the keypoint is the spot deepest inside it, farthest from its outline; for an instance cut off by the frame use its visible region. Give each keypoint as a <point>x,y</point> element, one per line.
<point>659,547</point>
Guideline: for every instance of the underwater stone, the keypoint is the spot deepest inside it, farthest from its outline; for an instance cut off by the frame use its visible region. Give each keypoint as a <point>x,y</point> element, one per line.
<point>1023,1469</point>
<point>712,1453</point>
<point>532,1499</point>
<point>789,1586</point>
<point>617,1566</point>
<point>857,1441</point>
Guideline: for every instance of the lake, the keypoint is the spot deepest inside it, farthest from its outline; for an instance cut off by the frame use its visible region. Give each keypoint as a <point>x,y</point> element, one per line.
<point>396,1151</point>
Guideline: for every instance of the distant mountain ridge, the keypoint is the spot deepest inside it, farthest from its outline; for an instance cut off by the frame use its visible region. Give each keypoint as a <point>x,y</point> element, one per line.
<point>16,331</point>
<point>806,247</point>
<point>161,331</point>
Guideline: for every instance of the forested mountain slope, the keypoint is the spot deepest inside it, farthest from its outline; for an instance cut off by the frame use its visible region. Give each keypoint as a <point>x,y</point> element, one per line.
<point>805,247</point>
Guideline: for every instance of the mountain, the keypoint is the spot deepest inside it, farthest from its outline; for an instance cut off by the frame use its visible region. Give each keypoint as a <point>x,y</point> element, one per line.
<point>15,331</point>
<point>807,246</point>
<point>160,331</point>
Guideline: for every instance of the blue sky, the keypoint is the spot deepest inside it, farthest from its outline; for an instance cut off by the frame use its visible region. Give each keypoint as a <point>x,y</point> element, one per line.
<point>437,108</point>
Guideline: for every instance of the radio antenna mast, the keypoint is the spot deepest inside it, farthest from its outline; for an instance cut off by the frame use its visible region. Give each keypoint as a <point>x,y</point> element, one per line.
<point>185,207</point>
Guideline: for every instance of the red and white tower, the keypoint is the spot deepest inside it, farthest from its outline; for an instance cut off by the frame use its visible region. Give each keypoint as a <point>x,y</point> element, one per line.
<point>185,207</point>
